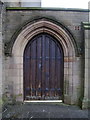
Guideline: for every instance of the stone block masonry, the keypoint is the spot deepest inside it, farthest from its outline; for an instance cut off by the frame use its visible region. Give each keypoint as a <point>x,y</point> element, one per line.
<point>2,58</point>
<point>86,100</point>
<point>24,23</point>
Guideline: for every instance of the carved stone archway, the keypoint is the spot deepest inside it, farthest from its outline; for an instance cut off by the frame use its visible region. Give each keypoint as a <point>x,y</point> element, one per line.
<point>71,78</point>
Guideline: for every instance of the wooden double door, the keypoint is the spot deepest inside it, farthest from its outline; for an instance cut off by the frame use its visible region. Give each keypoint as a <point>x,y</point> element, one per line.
<point>43,69</point>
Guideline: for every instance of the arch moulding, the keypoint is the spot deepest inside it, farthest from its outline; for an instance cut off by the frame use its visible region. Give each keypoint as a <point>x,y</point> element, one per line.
<point>70,59</point>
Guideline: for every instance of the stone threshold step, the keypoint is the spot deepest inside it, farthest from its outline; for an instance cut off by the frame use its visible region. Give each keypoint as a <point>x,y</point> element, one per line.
<point>43,101</point>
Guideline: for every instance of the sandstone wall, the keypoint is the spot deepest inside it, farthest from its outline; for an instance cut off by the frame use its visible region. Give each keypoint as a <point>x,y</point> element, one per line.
<point>16,18</point>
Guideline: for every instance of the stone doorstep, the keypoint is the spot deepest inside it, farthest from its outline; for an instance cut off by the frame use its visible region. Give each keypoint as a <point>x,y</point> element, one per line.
<point>43,101</point>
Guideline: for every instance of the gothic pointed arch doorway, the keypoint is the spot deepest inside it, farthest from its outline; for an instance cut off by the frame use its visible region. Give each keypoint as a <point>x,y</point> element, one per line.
<point>43,68</point>
<point>65,41</point>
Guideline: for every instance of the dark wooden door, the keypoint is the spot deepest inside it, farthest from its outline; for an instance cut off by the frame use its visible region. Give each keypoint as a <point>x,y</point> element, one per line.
<point>43,69</point>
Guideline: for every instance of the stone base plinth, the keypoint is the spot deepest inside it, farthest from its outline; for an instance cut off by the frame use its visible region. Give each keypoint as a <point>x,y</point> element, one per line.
<point>85,103</point>
<point>70,100</point>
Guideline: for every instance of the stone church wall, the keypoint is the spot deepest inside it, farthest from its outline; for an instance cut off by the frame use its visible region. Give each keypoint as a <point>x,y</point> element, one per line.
<point>2,57</point>
<point>71,19</point>
<point>86,26</point>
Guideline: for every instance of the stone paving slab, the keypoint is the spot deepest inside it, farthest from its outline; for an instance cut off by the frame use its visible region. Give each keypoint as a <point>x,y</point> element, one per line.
<point>44,110</point>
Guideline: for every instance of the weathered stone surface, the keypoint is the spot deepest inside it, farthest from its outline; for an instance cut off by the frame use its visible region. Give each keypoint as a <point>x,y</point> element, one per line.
<point>70,19</point>
<point>86,100</point>
<point>45,110</point>
<point>14,20</point>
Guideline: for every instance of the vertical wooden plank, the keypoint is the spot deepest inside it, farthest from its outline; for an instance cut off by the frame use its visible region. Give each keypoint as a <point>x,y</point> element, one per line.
<point>39,66</point>
<point>26,68</point>
<point>43,65</point>
<point>29,72</point>
<point>33,67</point>
<point>36,69</point>
<point>24,72</point>
<point>50,73</point>
<point>56,72</point>
<point>52,66</point>
<point>58,66</point>
<point>47,66</point>
<point>61,69</point>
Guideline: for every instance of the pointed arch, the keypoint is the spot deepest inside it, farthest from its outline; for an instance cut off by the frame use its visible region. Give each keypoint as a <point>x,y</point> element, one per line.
<point>32,23</point>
